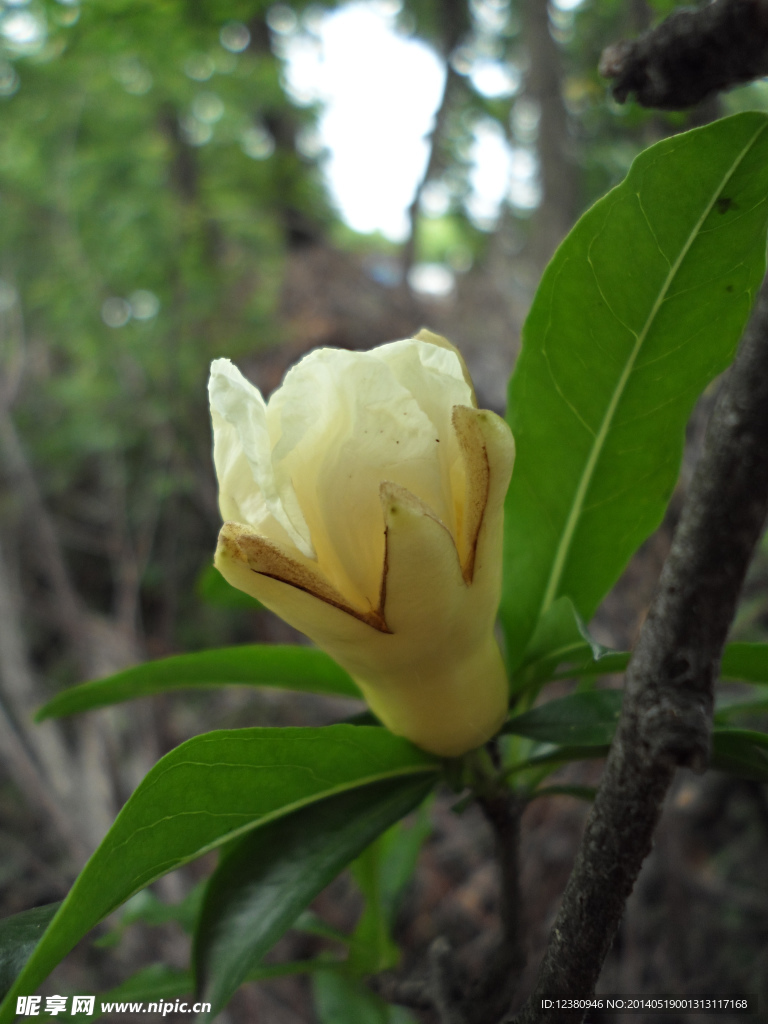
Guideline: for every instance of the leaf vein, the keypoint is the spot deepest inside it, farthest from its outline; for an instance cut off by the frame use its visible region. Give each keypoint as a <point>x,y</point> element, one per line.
<point>561,553</point>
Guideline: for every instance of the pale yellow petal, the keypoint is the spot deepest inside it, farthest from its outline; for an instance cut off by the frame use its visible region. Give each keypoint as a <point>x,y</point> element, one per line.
<point>433,374</point>
<point>431,338</point>
<point>471,485</point>
<point>254,564</point>
<point>341,423</point>
<point>242,453</point>
<point>500,453</point>
<point>369,496</point>
<point>437,677</point>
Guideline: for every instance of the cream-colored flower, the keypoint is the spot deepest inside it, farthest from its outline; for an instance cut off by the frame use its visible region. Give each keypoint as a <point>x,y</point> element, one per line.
<point>364,505</point>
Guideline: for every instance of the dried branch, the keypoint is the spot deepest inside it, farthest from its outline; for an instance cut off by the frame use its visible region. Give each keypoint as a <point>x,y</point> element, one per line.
<point>694,53</point>
<point>667,712</point>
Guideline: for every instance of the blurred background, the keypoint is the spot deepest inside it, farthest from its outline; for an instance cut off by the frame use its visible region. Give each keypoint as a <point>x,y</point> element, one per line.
<point>181,181</point>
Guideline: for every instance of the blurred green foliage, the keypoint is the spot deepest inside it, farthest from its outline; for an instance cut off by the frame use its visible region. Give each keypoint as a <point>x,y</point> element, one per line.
<point>152,184</point>
<point>147,184</point>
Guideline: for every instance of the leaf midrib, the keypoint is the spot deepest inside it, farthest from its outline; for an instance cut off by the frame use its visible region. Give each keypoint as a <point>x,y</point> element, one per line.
<point>563,548</point>
<point>266,819</point>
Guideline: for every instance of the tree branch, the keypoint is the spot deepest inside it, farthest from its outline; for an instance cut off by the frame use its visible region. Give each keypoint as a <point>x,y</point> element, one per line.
<point>694,53</point>
<point>667,712</point>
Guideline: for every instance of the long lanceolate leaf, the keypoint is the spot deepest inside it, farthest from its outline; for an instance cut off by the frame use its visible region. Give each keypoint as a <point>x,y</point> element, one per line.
<point>271,874</point>
<point>209,790</point>
<point>287,667</point>
<point>747,662</point>
<point>581,719</point>
<point>19,935</point>
<point>642,305</point>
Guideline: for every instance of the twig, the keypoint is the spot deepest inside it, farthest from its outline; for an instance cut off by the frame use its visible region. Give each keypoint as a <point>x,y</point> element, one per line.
<point>411,992</point>
<point>502,812</point>
<point>694,53</point>
<point>431,987</point>
<point>666,718</point>
<point>441,982</point>
<point>439,987</point>
<point>487,999</point>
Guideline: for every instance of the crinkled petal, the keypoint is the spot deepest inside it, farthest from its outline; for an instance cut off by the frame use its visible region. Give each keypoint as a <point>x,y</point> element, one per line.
<point>430,338</point>
<point>369,495</point>
<point>435,376</point>
<point>340,424</point>
<point>242,454</point>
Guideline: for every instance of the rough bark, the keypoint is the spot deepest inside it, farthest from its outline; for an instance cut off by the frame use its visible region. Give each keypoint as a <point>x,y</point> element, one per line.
<point>693,54</point>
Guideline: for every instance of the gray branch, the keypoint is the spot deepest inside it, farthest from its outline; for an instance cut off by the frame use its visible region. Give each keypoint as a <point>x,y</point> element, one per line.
<point>695,52</point>
<point>666,719</point>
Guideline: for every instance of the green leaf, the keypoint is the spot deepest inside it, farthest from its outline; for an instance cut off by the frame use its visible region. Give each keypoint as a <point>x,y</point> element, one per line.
<point>741,752</point>
<point>642,305</point>
<point>159,982</point>
<point>270,876</point>
<point>552,754</point>
<point>745,662</point>
<point>400,848</point>
<point>146,908</point>
<point>382,871</point>
<point>214,590</point>
<point>561,637</point>
<point>208,791</point>
<point>580,720</point>
<point>288,667</point>
<point>343,1000</point>
<point>726,708</point>
<point>587,793</point>
<point>612,663</point>
<point>19,935</point>
<point>312,924</point>
<point>150,984</point>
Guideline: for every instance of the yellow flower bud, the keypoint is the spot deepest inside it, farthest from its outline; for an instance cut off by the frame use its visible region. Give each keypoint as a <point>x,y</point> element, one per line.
<point>364,505</point>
